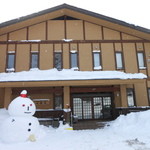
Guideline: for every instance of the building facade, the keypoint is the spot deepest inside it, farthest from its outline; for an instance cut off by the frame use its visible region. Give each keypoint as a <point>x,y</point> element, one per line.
<point>67,37</point>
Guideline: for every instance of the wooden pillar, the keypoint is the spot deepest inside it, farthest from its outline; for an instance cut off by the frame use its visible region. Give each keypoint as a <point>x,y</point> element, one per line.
<point>7,97</point>
<point>2,91</point>
<point>66,97</point>
<point>67,111</point>
<point>124,102</point>
<point>141,96</point>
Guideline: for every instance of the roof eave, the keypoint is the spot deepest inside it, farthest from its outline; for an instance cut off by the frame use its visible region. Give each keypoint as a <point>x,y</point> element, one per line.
<point>66,6</point>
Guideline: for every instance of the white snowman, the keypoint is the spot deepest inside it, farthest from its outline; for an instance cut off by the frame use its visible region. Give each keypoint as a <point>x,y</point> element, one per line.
<point>21,126</point>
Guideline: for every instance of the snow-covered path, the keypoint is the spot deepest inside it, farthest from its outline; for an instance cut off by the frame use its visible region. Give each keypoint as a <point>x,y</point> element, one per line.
<point>129,132</point>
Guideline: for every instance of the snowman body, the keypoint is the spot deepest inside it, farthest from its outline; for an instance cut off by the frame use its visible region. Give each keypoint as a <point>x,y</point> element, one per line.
<point>21,125</point>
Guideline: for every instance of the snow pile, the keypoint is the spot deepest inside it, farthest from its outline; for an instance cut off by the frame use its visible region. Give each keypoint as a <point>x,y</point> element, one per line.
<point>66,74</point>
<point>129,132</point>
<point>133,124</point>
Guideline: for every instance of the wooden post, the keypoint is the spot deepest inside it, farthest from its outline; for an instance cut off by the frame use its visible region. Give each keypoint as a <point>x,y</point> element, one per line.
<point>7,97</point>
<point>66,97</point>
<point>67,113</point>
<point>124,102</point>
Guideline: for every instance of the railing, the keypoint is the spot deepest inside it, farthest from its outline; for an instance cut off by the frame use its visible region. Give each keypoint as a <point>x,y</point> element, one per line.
<point>126,110</point>
<point>48,113</point>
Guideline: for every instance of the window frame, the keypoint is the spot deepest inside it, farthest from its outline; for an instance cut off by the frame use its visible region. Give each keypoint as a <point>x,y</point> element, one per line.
<point>60,99</point>
<point>61,56</point>
<point>143,61</point>
<point>31,59</point>
<point>11,69</point>
<point>97,67</point>
<point>148,93</point>
<point>134,100</point>
<point>122,64</point>
<point>74,52</point>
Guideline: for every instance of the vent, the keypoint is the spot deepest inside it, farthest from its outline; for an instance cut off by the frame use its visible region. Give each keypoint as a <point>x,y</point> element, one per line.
<point>65,18</point>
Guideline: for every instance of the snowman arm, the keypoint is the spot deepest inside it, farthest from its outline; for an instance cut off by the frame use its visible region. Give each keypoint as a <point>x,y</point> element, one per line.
<point>12,120</point>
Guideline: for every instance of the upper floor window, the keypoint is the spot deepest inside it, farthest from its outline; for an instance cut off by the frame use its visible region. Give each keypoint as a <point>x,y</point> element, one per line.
<point>74,59</point>
<point>119,62</point>
<point>97,60</point>
<point>58,60</point>
<point>149,94</point>
<point>130,97</point>
<point>141,61</point>
<point>10,62</point>
<point>34,60</point>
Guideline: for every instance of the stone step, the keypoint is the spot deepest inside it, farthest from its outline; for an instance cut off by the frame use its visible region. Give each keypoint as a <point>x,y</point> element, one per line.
<point>83,125</point>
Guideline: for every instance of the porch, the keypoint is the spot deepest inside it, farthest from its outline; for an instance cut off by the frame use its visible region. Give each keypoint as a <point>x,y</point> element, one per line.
<point>52,118</point>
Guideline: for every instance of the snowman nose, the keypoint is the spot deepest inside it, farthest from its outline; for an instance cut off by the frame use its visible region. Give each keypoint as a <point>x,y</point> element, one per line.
<point>28,108</point>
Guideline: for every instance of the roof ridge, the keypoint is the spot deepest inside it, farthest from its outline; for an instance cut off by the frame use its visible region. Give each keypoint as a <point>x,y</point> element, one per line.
<point>81,10</point>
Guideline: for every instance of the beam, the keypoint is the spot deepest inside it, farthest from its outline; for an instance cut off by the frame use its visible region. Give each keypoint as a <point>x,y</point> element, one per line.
<point>70,83</point>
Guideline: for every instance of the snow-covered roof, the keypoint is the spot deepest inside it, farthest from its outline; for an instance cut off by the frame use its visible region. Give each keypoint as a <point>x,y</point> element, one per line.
<point>66,74</point>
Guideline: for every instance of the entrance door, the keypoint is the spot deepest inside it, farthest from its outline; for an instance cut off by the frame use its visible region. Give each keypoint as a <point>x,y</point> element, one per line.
<point>92,107</point>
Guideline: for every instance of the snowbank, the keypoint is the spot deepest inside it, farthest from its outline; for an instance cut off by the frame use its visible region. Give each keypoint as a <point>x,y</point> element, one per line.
<point>131,132</point>
<point>133,124</point>
<point>66,74</point>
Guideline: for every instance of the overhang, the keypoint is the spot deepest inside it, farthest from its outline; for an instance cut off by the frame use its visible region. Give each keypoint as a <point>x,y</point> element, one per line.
<point>71,83</point>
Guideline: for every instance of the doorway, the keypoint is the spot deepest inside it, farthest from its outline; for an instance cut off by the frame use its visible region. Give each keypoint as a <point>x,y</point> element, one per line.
<point>92,106</point>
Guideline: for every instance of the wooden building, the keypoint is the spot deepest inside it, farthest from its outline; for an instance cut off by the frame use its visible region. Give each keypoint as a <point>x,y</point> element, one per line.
<point>65,37</point>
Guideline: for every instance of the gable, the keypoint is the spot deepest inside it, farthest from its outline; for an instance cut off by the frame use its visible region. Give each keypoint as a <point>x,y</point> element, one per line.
<point>71,22</point>
<point>57,29</point>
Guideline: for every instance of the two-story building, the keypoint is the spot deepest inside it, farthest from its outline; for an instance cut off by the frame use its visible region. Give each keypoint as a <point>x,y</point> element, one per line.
<point>100,63</point>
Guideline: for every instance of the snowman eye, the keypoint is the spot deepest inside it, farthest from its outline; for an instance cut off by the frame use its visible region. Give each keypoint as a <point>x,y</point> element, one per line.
<point>30,104</point>
<point>23,105</point>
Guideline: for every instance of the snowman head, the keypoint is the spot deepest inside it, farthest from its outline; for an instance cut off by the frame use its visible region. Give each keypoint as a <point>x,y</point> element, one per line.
<point>22,106</point>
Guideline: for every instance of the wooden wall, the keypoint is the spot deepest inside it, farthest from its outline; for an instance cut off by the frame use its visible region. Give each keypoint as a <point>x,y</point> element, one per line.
<point>76,30</point>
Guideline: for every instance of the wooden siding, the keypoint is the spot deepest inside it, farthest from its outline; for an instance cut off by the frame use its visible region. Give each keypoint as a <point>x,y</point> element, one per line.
<point>85,57</point>
<point>104,36</point>
<point>3,57</point>
<point>22,58</point>
<point>46,56</point>
<point>130,58</point>
<point>108,59</point>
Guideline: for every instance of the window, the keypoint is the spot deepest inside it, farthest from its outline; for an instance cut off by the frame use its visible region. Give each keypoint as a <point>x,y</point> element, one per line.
<point>149,94</point>
<point>97,60</point>
<point>34,60</point>
<point>58,60</point>
<point>74,59</point>
<point>10,62</point>
<point>58,102</point>
<point>130,97</point>
<point>141,62</point>
<point>119,62</point>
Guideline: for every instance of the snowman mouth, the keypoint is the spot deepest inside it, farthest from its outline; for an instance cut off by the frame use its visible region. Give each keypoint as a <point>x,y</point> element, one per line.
<point>27,112</point>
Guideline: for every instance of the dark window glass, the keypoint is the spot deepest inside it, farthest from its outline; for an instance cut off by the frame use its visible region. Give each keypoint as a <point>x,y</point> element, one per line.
<point>119,60</point>
<point>11,61</point>
<point>130,97</point>
<point>65,18</point>
<point>34,60</point>
<point>74,62</point>
<point>58,102</point>
<point>58,60</point>
<point>149,94</point>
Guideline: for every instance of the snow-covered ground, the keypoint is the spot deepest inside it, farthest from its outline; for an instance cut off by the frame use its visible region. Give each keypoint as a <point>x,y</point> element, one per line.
<point>131,132</point>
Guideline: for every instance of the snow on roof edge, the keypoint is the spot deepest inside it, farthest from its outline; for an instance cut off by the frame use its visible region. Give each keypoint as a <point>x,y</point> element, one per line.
<point>66,74</point>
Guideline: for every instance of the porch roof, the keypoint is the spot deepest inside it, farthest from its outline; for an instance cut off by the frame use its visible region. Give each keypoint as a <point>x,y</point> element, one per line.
<point>67,77</point>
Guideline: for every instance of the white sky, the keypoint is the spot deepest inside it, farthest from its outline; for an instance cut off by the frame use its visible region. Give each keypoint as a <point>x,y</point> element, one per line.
<point>136,12</point>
